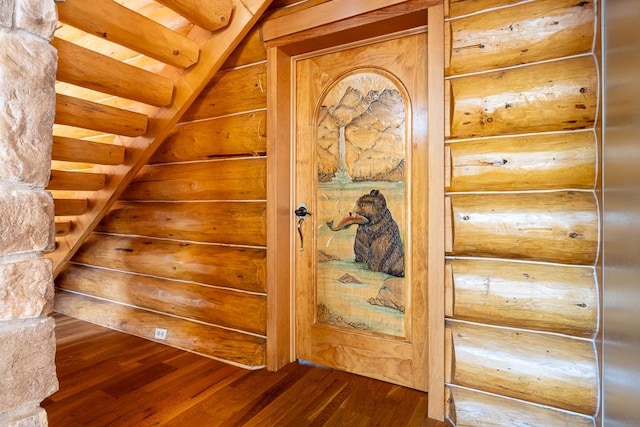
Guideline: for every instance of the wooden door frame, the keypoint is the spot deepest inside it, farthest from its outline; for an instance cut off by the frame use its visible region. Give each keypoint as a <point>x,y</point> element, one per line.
<point>328,24</point>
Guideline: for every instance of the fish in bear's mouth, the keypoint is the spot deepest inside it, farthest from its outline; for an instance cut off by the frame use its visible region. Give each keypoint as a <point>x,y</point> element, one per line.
<point>348,221</point>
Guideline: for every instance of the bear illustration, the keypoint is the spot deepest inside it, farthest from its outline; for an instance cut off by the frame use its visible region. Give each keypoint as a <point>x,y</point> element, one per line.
<point>377,242</point>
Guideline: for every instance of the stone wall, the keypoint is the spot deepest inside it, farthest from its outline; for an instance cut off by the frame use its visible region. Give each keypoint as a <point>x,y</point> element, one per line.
<point>27,106</point>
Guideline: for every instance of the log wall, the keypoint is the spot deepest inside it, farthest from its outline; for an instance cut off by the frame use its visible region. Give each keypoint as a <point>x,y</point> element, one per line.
<point>522,230</point>
<point>185,247</point>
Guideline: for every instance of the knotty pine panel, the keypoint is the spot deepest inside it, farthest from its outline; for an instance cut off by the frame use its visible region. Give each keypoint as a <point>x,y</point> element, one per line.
<point>525,33</point>
<point>241,223</point>
<point>224,307</point>
<point>238,135</point>
<point>234,179</point>
<point>217,265</point>
<point>243,349</point>
<point>234,91</point>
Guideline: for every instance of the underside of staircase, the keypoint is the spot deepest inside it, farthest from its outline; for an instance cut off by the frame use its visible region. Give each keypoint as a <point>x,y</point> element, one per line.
<point>127,72</point>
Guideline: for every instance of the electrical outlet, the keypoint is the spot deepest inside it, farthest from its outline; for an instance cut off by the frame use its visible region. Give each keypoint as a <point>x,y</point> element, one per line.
<point>160,334</point>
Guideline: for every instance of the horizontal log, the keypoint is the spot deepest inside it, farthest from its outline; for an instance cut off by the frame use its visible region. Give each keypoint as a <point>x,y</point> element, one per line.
<point>469,408</point>
<point>118,24</point>
<point>62,228</point>
<point>250,50</point>
<point>464,7</point>
<point>557,227</point>
<point>237,179</point>
<point>229,92</point>
<point>553,370</point>
<point>156,12</point>
<point>243,134</point>
<point>525,33</point>
<point>237,347</point>
<point>89,115</point>
<point>223,307</point>
<point>92,70</point>
<point>524,295</point>
<point>70,207</point>
<point>224,266</point>
<point>76,181</point>
<point>240,223</point>
<point>553,96</point>
<point>533,162</point>
<point>83,151</point>
<point>208,14</point>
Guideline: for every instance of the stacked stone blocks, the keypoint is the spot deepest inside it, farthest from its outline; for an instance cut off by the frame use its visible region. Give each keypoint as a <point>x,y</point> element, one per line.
<point>27,106</point>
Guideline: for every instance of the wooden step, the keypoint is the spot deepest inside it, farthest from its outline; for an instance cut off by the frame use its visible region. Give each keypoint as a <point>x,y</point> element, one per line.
<point>210,15</point>
<point>70,207</point>
<point>114,22</point>
<point>83,151</point>
<point>76,181</point>
<point>62,228</point>
<point>80,113</point>
<point>109,20</point>
<point>92,70</point>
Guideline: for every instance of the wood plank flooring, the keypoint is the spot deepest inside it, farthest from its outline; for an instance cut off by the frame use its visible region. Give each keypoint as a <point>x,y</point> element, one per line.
<point>108,378</point>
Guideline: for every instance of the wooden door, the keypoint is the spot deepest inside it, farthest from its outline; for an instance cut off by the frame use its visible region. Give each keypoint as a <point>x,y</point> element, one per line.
<point>361,172</point>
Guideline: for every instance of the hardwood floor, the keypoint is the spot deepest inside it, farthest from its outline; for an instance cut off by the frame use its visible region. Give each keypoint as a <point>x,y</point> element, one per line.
<point>108,378</point>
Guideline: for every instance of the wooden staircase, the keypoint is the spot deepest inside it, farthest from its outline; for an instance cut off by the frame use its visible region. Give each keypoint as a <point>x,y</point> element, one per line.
<point>127,72</point>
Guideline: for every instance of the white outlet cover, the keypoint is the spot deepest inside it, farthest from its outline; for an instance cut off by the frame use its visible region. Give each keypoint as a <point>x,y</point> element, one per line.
<point>160,334</point>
